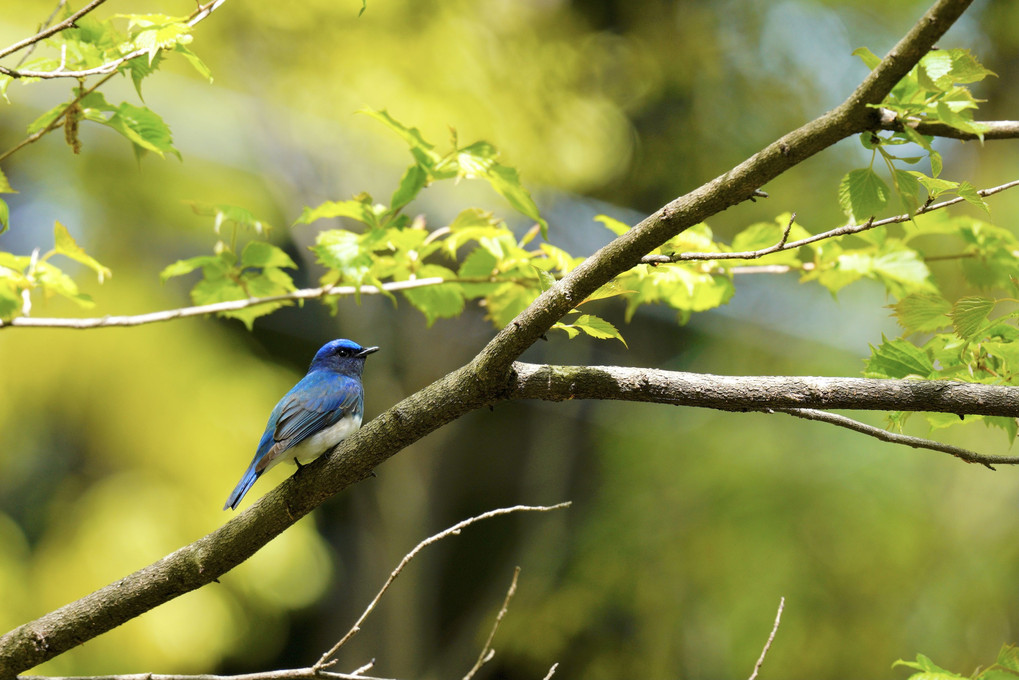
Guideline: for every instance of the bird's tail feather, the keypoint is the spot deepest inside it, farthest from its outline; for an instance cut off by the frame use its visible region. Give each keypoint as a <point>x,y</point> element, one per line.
<point>242,488</point>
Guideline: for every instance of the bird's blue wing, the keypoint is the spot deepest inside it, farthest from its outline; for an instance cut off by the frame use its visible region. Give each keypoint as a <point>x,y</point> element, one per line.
<point>315,403</point>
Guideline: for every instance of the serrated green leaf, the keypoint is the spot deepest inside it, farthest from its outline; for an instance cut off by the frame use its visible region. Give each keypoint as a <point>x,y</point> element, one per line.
<point>898,359</point>
<point>862,194</point>
<point>143,127</point>
<point>65,245</point>
<point>968,315</point>
<point>596,327</point>
<point>923,312</point>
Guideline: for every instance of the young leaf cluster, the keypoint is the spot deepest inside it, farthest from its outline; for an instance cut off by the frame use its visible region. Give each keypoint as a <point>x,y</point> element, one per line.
<point>130,44</point>
<point>231,273</point>
<point>1005,667</point>
<point>22,275</point>
<point>934,91</point>
<point>973,338</point>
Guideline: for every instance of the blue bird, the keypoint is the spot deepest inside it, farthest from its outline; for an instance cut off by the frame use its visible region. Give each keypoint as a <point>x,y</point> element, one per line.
<point>322,410</point>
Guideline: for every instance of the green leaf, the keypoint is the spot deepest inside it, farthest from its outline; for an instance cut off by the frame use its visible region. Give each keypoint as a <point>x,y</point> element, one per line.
<point>935,187</point>
<point>479,264</point>
<point>54,281</point>
<point>923,312</point>
<point>414,180</point>
<point>902,268</point>
<point>439,301</point>
<point>193,59</point>
<point>65,245</point>
<point>592,325</point>
<point>230,214</point>
<point>411,135</point>
<point>143,127</point>
<point>341,250</point>
<point>968,315</point>
<point>862,194</point>
<point>44,121</point>
<point>506,182</point>
<point>5,216</point>
<point>262,254</point>
<point>898,359</point>
<point>969,192</point>
<point>908,188</point>
<point>869,59</point>
<point>184,267</point>
<point>929,670</point>
<point>360,209</point>
<point>615,226</point>
<point>545,279</point>
<point>5,186</point>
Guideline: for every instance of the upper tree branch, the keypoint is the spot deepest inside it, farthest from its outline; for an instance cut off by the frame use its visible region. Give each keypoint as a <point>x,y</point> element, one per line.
<point>995,129</point>
<point>851,117</point>
<point>486,380</point>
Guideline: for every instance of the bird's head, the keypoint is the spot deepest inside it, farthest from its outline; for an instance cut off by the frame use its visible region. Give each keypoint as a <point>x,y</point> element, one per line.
<point>341,356</point>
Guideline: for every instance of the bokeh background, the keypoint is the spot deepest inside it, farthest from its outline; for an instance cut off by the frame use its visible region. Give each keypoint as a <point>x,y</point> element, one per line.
<point>687,526</point>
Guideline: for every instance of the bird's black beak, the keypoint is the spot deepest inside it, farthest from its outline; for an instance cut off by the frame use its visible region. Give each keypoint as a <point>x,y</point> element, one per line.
<point>367,350</point>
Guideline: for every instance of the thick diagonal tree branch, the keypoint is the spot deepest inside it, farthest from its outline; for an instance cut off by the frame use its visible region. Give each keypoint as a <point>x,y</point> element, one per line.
<point>488,379</point>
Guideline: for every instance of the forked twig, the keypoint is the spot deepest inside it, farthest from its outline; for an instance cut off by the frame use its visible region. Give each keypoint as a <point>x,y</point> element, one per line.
<point>324,661</point>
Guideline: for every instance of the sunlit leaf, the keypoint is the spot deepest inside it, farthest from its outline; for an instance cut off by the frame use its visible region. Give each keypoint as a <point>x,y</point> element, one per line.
<point>898,359</point>
<point>262,254</point>
<point>923,312</point>
<point>968,315</point>
<point>65,245</point>
<point>862,194</point>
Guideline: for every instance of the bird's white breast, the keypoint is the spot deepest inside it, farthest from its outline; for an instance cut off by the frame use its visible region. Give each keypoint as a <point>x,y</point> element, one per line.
<point>314,446</point>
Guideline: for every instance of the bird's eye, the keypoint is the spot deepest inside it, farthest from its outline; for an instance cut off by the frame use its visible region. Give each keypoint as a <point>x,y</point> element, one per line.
<point>344,352</point>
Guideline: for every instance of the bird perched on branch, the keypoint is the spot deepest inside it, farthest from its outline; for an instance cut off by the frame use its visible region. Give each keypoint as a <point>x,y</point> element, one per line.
<point>321,410</point>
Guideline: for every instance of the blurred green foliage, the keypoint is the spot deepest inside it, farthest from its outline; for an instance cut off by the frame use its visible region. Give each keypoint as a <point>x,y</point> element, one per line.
<point>687,526</point>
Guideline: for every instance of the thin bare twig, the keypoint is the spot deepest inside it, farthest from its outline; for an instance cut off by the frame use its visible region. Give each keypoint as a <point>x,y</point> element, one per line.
<point>486,651</point>
<point>845,230</point>
<point>47,32</point>
<point>551,671</point>
<point>987,461</point>
<point>324,660</point>
<point>767,645</point>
